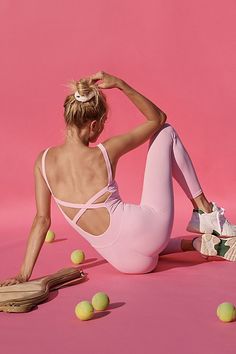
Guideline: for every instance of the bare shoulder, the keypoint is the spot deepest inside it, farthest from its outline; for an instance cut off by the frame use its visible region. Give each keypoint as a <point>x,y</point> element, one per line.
<point>111,148</point>
<point>38,159</point>
<point>119,145</point>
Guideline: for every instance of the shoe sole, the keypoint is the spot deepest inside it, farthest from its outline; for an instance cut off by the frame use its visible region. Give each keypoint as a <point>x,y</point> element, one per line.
<point>195,231</point>
<point>209,242</point>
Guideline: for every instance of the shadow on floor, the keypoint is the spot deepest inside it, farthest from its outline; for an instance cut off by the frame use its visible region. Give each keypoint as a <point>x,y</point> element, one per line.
<point>165,262</point>
<point>183,259</point>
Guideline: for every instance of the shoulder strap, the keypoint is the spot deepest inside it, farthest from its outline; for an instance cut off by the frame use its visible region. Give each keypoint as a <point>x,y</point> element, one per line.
<point>44,169</point>
<point>108,164</point>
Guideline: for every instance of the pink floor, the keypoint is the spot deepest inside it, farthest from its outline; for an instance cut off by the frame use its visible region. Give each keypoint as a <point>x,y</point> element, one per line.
<point>172,310</point>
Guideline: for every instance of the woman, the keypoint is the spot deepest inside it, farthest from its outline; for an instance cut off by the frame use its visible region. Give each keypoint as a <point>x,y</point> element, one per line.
<point>82,181</point>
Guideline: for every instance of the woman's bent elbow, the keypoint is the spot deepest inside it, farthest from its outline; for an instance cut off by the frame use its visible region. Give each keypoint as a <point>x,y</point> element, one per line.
<point>163,118</point>
<point>43,220</point>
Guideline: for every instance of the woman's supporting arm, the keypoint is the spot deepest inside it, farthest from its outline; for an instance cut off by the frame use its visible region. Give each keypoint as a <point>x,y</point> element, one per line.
<point>36,239</point>
<point>39,229</point>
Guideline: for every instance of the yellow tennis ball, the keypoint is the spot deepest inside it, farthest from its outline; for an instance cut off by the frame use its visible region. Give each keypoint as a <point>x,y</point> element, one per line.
<point>100,301</point>
<point>50,236</point>
<point>226,312</point>
<point>77,256</point>
<point>84,310</point>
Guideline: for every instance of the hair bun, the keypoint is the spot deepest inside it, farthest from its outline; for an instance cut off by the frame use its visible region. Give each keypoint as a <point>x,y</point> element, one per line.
<point>83,89</point>
<point>86,102</point>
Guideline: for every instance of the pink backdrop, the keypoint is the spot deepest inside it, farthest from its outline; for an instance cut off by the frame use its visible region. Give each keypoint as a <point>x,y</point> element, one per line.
<point>180,54</point>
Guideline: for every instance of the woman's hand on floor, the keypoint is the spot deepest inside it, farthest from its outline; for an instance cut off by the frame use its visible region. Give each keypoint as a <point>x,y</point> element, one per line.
<point>19,278</point>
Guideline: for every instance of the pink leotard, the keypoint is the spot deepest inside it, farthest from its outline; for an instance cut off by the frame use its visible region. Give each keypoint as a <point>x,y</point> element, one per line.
<point>137,234</point>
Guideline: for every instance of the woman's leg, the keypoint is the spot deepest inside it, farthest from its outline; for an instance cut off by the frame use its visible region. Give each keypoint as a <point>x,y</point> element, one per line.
<point>167,157</point>
<point>184,173</point>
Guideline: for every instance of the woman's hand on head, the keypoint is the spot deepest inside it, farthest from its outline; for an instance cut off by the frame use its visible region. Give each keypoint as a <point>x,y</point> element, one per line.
<point>108,81</point>
<point>14,280</point>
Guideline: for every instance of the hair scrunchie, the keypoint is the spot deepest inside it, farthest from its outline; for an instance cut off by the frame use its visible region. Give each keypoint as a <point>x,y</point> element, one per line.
<point>80,98</point>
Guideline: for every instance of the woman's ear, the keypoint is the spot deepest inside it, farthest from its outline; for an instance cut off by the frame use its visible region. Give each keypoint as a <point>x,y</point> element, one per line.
<point>93,125</point>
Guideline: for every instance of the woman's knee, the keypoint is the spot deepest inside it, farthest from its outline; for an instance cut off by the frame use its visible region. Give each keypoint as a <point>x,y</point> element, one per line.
<point>166,130</point>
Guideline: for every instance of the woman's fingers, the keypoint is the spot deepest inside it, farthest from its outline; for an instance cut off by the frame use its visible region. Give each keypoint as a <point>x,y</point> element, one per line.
<point>10,281</point>
<point>97,76</point>
<point>5,283</point>
<point>108,81</point>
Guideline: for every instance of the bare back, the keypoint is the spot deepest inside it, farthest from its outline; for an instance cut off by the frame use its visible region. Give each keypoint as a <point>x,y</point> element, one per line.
<point>75,174</point>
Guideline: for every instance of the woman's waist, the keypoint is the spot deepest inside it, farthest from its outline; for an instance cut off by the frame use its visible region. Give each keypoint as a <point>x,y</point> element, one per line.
<point>111,234</point>
<point>113,198</point>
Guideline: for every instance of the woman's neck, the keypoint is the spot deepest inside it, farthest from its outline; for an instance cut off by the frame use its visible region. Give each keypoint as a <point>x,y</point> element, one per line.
<point>73,138</point>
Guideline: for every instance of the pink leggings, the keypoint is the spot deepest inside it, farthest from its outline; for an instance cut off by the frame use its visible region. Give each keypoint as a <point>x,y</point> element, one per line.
<point>146,228</point>
<point>168,157</point>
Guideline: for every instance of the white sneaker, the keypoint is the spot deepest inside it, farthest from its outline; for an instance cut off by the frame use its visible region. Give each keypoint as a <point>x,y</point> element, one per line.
<point>211,245</point>
<point>211,223</point>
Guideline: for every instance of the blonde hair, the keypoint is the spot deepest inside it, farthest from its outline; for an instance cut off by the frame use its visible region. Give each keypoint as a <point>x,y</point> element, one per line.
<point>79,113</point>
